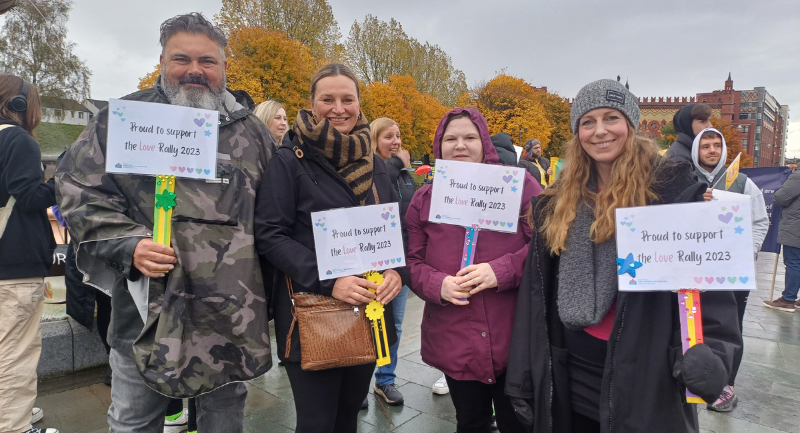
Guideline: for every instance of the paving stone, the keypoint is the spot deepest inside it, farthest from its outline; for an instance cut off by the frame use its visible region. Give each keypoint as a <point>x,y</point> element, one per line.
<point>422,399</point>
<point>428,424</point>
<point>384,416</point>
<point>257,424</point>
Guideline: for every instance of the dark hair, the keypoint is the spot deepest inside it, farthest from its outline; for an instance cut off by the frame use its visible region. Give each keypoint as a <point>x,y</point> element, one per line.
<point>333,70</point>
<point>710,134</point>
<point>11,86</point>
<point>453,117</point>
<point>192,23</point>
<point>701,112</point>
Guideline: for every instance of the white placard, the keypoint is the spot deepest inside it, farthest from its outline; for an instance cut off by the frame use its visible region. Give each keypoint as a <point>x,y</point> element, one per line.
<point>151,138</point>
<point>359,239</point>
<point>720,195</point>
<point>696,246</point>
<point>472,194</point>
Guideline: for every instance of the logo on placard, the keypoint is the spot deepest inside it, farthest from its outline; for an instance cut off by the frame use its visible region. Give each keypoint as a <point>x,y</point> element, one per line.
<point>118,165</point>
<point>328,272</point>
<point>438,217</point>
<point>632,282</point>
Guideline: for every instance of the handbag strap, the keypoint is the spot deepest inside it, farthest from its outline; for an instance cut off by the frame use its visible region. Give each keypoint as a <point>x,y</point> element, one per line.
<point>294,316</point>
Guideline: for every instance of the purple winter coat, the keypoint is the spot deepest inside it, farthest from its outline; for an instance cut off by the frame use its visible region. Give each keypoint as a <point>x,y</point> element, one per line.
<point>468,342</point>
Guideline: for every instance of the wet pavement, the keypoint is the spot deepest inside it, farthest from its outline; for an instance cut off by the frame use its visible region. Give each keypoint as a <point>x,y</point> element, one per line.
<point>768,384</point>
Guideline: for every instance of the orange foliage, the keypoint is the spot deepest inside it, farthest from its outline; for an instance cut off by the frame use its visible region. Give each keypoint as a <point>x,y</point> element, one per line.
<point>508,102</point>
<point>149,80</point>
<point>416,113</point>
<point>733,142</point>
<point>270,65</point>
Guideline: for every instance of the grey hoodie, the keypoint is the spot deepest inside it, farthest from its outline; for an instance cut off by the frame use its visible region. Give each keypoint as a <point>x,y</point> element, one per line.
<point>758,207</point>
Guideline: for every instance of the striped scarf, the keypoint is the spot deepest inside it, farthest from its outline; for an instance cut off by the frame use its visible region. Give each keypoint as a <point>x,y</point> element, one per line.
<point>350,155</point>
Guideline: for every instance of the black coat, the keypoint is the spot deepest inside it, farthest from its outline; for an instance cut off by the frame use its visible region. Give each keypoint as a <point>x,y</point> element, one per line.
<point>533,170</point>
<point>291,189</point>
<point>681,149</point>
<point>26,247</point>
<point>638,392</point>
<point>406,187</point>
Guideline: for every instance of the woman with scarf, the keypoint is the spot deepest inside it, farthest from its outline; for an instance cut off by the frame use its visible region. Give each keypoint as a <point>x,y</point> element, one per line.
<point>329,164</point>
<point>466,326</point>
<point>586,357</point>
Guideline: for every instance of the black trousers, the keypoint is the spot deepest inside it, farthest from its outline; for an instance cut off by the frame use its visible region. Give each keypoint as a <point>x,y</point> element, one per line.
<point>741,303</point>
<point>584,424</point>
<point>473,401</point>
<point>328,401</point>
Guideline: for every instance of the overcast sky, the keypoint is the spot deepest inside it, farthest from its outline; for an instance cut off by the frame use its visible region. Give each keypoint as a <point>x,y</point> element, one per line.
<point>664,48</point>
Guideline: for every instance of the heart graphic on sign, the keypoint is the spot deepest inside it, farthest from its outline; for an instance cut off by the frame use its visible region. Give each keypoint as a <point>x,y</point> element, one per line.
<point>622,223</point>
<point>325,229</point>
<point>735,208</point>
<point>385,215</point>
<point>698,280</point>
<point>199,122</point>
<point>380,262</point>
<point>173,168</point>
<point>322,224</point>
<point>207,171</point>
<point>495,222</point>
<point>633,229</point>
<point>738,219</point>
<point>731,280</point>
<point>181,169</point>
<point>709,280</point>
<point>720,280</point>
<point>507,178</point>
<point>628,224</point>
<point>488,222</point>
<point>510,224</point>
<point>743,280</point>
<point>392,216</point>
<point>119,113</point>
<point>393,260</point>
<point>123,119</point>
<point>726,218</point>
<point>374,264</point>
<point>316,224</point>
<point>480,220</point>
<point>208,125</point>
<point>514,172</point>
<point>391,207</point>
<point>502,224</point>
<point>399,259</point>
<point>208,116</point>
<point>515,181</point>
<point>190,170</point>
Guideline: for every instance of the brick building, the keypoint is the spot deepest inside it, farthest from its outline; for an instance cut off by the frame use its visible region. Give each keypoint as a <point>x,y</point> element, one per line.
<point>763,122</point>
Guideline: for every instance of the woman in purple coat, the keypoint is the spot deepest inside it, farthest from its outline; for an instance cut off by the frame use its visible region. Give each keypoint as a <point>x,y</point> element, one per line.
<point>466,327</point>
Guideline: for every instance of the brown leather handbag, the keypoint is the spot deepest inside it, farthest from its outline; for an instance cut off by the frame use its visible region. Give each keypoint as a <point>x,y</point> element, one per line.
<point>333,333</point>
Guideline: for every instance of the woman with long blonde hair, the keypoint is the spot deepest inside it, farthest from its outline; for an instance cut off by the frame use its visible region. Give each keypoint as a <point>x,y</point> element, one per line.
<point>273,114</point>
<point>585,357</point>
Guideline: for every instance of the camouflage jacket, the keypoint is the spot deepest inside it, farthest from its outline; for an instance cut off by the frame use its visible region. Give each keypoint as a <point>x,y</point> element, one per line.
<point>207,320</point>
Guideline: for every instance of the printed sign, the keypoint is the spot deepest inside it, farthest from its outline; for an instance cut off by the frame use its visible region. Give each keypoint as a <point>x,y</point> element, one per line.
<point>477,195</point>
<point>359,239</point>
<point>151,138</point>
<point>694,246</point>
<point>769,180</point>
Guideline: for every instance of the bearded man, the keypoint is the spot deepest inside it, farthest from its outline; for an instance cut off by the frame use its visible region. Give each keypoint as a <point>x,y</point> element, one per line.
<point>206,321</point>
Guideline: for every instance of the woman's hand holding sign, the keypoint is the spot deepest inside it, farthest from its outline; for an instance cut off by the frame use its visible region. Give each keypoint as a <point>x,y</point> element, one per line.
<point>391,286</point>
<point>452,292</point>
<point>478,277</point>
<point>354,290</point>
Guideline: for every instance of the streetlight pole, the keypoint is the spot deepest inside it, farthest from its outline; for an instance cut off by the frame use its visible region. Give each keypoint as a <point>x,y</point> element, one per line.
<point>521,131</point>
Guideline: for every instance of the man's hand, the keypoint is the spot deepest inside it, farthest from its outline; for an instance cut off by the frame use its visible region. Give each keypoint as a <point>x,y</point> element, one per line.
<point>452,292</point>
<point>149,257</point>
<point>708,195</point>
<point>476,278</point>
<point>390,287</point>
<point>353,290</point>
<point>549,171</point>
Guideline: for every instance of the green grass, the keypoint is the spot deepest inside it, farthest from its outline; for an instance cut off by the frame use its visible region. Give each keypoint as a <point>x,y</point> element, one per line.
<point>53,138</point>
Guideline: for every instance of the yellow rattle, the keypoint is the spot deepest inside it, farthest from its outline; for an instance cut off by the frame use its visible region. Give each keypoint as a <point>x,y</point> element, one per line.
<point>375,315</point>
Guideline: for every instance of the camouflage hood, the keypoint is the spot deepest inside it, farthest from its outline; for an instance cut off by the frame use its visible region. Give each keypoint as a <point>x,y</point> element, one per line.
<point>206,322</point>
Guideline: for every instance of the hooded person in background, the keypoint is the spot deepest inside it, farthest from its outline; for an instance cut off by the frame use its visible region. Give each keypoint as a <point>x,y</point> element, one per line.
<point>536,164</point>
<point>688,122</point>
<point>709,155</point>
<point>505,148</point>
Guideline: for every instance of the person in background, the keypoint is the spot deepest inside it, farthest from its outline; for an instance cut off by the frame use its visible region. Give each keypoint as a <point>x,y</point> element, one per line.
<point>709,154</point>
<point>688,122</point>
<point>328,163</point>
<point>536,164</point>
<point>585,357</point>
<point>273,115</point>
<point>505,149</point>
<point>177,419</point>
<point>466,324</point>
<point>788,198</point>
<point>387,143</point>
<point>26,253</point>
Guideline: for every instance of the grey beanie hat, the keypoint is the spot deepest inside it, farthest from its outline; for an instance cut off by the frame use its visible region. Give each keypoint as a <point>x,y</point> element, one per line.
<point>604,94</point>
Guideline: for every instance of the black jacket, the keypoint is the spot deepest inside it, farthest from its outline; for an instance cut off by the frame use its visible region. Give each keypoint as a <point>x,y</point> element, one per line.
<point>638,391</point>
<point>681,149</point>
<point>406,187</point>
<point>26,248</point>
<point>290,191</point>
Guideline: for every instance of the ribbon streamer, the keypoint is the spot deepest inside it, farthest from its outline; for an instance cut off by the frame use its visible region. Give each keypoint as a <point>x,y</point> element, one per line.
<point>375,312</point>
<point>470,241</point>
<point>691,327</point>
<point>164,203</point>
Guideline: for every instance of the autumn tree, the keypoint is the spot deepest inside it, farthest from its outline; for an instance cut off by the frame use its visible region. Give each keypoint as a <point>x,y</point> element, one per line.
<point>268,64</point>
<point>557,111</point>
<point>508,102</point>
<point>733,142</point>
<point>668,136</point>
<point>378,49</point>
<point>149,79</point>
<point>417,114</point>
<point>309,21</point>
<point>34,45</point>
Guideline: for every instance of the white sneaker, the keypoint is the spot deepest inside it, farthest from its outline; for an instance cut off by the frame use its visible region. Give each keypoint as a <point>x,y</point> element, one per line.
<point>36,415</point>
<point>179,424</point>
<point>440,387</point>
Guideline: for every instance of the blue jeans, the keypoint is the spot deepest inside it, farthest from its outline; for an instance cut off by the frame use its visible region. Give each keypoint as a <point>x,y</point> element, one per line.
<point>385,375</point>
<point>135,408</point>
<point>791,258</point>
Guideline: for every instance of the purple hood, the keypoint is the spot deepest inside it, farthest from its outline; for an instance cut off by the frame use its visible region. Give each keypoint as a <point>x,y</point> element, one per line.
<point>489,152</point>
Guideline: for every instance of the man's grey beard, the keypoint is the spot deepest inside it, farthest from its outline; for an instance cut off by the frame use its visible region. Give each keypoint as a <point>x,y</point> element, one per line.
<point>208,99</point>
